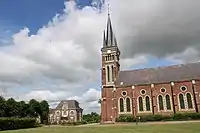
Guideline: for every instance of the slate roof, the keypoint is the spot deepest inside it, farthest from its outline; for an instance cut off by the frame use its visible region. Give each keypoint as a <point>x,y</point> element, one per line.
<point>51,111</point>
<point>174,73</point>
<point>72,104</point>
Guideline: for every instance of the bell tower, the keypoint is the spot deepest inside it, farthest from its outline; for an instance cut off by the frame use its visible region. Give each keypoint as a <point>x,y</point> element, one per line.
<point>110,68</point>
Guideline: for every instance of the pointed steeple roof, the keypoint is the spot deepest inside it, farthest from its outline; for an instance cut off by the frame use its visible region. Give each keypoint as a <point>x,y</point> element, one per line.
<point>109,39</point>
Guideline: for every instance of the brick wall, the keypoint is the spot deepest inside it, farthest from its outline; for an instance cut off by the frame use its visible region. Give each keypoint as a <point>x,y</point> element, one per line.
<point>153,92</point>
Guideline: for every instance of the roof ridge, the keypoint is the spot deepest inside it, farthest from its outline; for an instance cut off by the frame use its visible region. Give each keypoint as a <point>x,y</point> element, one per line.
<point>147,68</point>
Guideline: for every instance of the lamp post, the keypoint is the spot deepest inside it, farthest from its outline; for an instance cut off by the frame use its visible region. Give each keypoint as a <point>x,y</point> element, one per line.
<point>172,88</point>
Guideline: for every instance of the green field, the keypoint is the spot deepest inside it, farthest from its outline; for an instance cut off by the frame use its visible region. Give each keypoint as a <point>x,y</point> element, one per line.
<point>127,128</point>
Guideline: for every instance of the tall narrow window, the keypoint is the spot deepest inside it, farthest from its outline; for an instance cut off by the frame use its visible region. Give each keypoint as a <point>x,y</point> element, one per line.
<point>108,73</point>
<point>160,100</point>
<point>140,104</point>
<point>181,101</point>
<point>113,73</point>
<point>113,57</point>
<point>147,103</point>
<point>128,105</point>
<point>121,103</point>
<point>189,101</point>
<point>168,103</point>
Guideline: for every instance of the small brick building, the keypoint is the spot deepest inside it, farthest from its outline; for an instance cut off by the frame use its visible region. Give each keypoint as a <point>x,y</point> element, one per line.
<point>161,90</point>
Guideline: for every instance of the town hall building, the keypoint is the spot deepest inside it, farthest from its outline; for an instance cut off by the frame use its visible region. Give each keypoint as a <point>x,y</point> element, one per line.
<point>161,90</point>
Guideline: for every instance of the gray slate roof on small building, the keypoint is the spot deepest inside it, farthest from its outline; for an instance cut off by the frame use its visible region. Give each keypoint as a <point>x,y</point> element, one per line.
<point>174,73</point>
<point>72,104</point>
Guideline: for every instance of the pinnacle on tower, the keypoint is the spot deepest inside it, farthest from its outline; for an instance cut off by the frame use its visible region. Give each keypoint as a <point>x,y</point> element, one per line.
<point>109,40</point>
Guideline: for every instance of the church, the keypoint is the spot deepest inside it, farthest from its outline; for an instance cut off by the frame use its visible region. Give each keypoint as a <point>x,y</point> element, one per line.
<point>149,91</point>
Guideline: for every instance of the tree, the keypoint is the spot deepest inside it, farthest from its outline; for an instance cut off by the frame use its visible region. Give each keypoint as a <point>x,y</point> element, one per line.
<point>99,101</point>
<point>2,106</point>
<point>12,108</point>
<point>24,109</point>
<point>44,106</point>
<point>34,108</point>
<point>93,117</point>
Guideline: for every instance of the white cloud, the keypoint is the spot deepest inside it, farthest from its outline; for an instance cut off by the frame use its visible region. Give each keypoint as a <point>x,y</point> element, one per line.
<point>46,95</point>
<point>189,55</point>
<point>89,100</point>
<point>127,63</point>
<point>63,58</point>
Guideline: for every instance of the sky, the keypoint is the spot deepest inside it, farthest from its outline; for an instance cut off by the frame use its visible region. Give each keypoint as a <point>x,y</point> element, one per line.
<point>50,50</point>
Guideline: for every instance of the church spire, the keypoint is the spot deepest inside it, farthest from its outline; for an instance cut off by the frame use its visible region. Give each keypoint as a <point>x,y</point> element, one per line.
<point>110,39</point>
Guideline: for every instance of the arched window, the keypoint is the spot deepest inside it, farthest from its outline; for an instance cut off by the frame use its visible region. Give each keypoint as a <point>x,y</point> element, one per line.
<point>140,104</point>
<point>121,104</point>
<point>168,103</point>
<point>147,103</point>
<point>108,73</point>
<point>160,100</point>
<point>189,101</point>
<point>112,73</point>
<point>181,101</point>
<point>128,105</point>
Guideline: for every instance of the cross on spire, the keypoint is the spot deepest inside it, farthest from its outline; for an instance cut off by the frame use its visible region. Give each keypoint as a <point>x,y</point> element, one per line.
<point>108,9</point>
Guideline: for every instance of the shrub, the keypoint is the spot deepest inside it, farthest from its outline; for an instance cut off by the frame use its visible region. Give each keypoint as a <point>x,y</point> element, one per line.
<point>17,123</point>
<point>125,118</point>
<point>186,116</point>
<point>145,118</point>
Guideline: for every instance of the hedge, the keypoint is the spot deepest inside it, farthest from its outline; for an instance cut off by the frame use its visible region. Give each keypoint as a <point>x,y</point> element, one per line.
<point>145,118</point>
<point>17,123</point>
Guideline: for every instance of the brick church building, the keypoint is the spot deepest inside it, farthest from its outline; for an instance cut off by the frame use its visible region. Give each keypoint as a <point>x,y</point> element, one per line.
<point>161,90</point>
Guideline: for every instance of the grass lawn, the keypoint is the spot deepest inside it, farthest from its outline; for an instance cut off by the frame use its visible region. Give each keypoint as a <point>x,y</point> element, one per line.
<point>127,128</point>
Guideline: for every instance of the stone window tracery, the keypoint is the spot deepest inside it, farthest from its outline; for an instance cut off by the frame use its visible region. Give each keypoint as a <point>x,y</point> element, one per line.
<point>143,92</point>
<point>164,103</point>
<point>186,100</point>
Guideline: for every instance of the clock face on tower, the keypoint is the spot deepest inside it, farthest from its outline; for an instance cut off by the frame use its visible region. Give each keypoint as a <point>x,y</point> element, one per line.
<point>108,51</point>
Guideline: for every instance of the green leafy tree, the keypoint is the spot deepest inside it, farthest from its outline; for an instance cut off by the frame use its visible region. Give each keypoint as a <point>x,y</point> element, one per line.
<point>24,109</point>
<point>93,117</point>
<point>12,108</point>
<point>44,106</point>
<point>2,106</point>
<point>34,108</point>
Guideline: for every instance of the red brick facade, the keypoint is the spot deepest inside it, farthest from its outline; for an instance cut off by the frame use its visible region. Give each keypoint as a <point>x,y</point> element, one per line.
<point>110,106</point>
<point>162,91</point>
